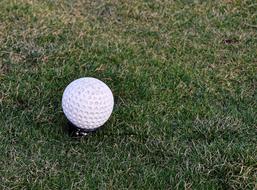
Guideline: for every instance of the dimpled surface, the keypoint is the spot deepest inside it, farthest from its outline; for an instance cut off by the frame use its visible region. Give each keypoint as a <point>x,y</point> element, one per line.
<point>87,103</point>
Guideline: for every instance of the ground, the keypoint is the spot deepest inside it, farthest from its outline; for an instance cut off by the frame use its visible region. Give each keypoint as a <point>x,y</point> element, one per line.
<point>183,74</point>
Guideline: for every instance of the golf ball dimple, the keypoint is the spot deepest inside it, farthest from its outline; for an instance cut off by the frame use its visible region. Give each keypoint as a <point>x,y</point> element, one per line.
<point>87,103</point>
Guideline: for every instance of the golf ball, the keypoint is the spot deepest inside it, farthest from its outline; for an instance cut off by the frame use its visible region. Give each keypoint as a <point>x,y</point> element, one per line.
<point>87,103</point>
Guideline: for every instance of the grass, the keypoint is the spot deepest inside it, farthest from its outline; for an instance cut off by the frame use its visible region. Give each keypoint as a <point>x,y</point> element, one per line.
<point>184,78</point>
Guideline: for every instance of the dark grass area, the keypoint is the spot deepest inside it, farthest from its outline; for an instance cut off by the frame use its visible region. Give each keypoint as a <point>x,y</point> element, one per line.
<point>184,77</point>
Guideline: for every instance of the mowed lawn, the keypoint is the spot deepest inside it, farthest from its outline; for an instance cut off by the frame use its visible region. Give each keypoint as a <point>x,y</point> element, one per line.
<point>184,77</point>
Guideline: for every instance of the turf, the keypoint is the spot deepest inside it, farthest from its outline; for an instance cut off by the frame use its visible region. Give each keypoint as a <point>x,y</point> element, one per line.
<point>184,77</point>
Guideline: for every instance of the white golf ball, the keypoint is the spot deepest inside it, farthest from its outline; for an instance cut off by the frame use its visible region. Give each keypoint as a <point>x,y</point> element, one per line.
<point>87,103</point>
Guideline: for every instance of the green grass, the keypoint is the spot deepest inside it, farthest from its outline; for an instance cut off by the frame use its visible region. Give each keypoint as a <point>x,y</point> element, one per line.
<point>184,77</point>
